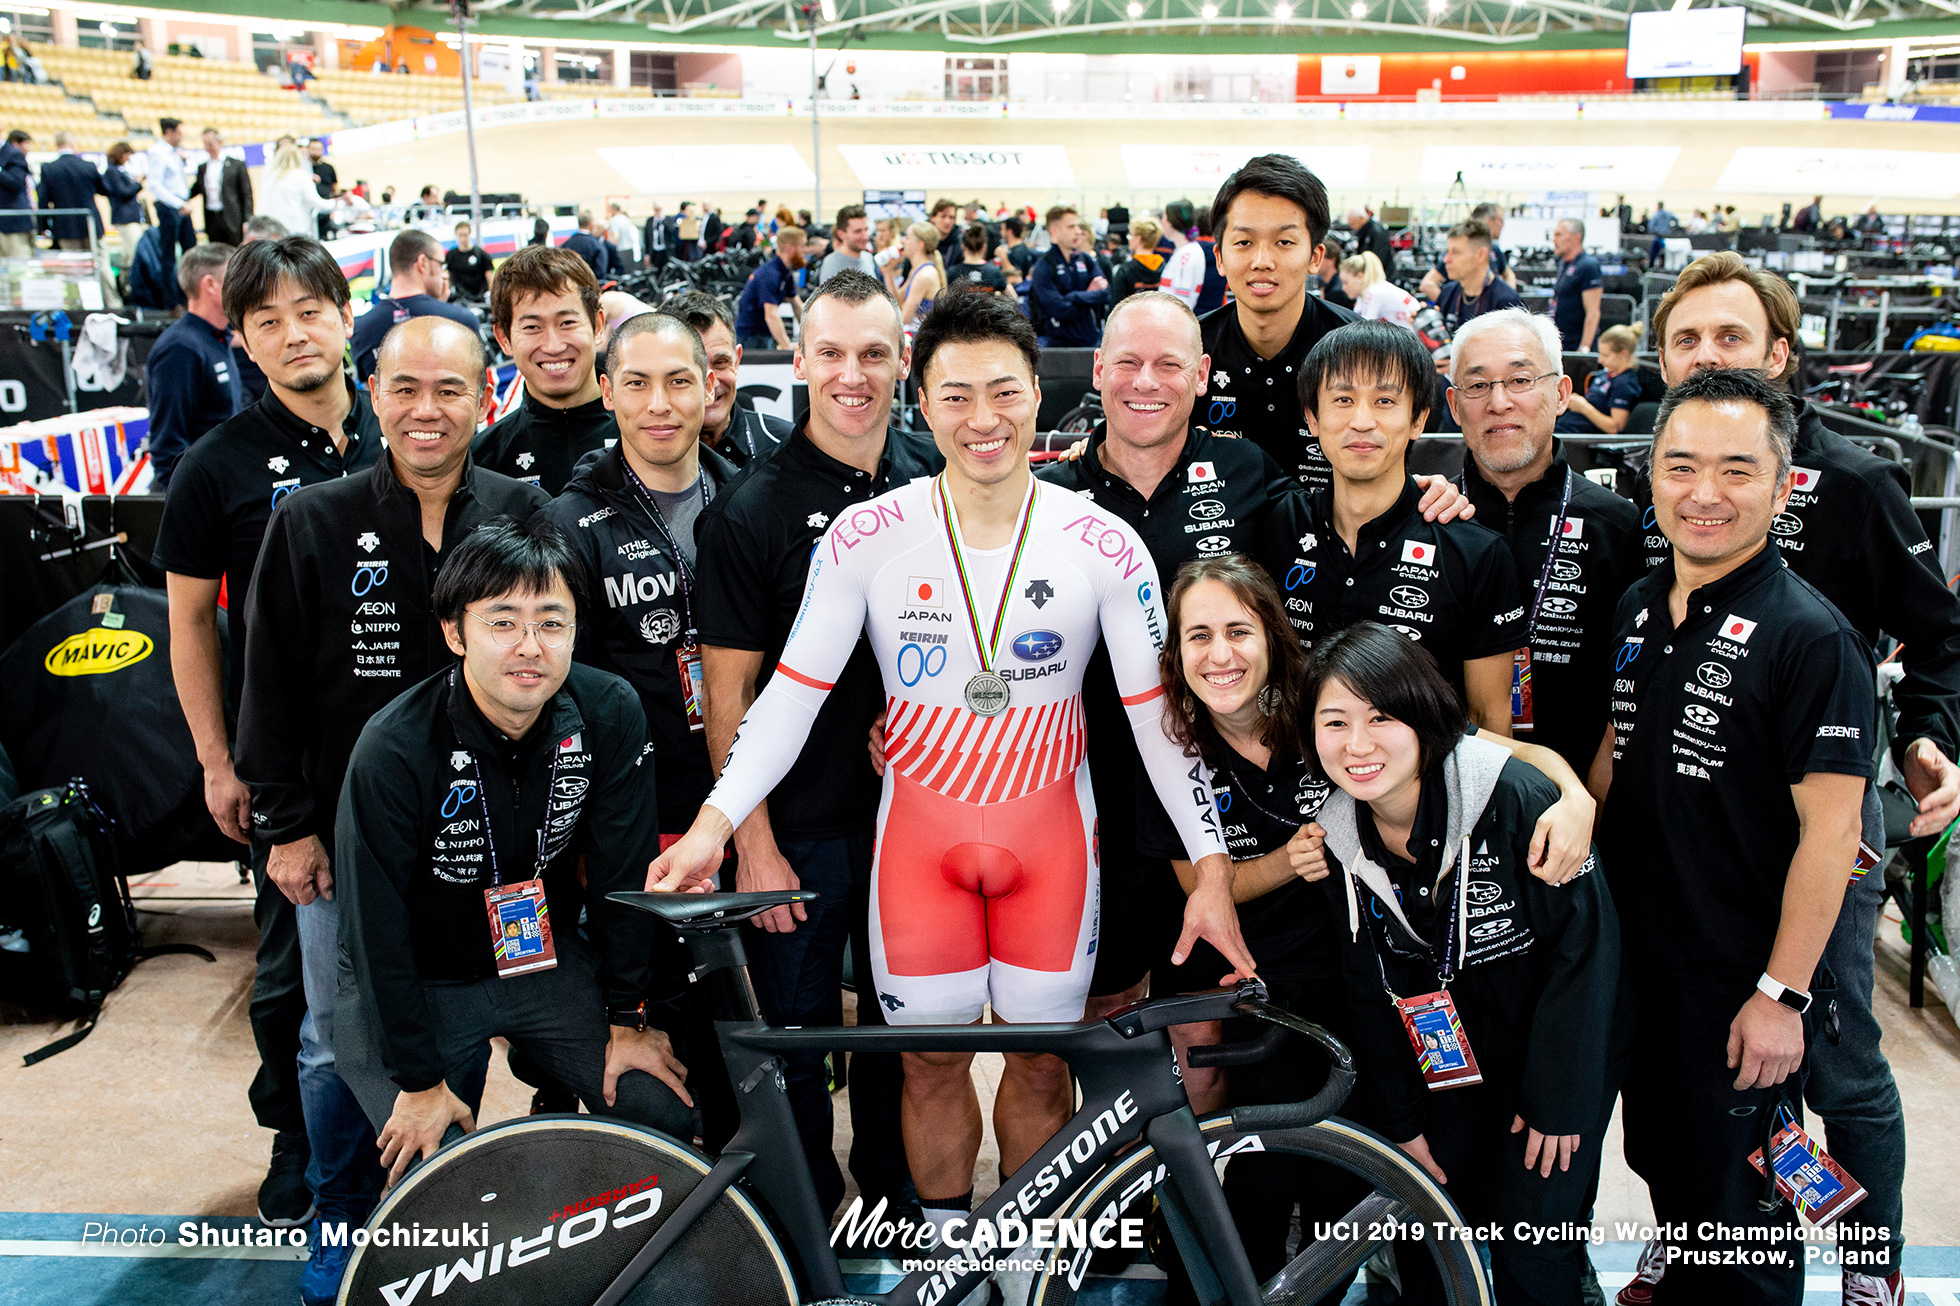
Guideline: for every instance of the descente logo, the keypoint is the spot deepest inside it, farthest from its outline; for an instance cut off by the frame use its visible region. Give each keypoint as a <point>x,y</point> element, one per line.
<point>98,652</point>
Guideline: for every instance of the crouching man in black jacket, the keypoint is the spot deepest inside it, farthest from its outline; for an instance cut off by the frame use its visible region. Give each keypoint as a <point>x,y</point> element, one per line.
<point>1480,997</point>
<point>468,804</point>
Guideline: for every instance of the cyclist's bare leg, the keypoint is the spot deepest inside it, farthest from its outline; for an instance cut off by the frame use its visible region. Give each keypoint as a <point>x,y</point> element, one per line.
<point>1203,1085</point>
<point>1101,1005</point>
<point>941,1119</point>
<point>1035,1100</point>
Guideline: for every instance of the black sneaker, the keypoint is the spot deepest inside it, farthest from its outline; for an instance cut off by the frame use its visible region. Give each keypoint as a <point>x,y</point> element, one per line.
<point>285,1202</point>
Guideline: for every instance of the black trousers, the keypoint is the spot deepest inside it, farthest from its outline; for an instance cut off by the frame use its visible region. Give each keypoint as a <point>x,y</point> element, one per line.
<point>1689,1134</point>
<point>278,1004</point>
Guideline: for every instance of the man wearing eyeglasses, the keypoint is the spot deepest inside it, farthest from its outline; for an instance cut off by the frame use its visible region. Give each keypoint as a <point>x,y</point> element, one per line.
<point>1576,545</point>
<point>342,596</point>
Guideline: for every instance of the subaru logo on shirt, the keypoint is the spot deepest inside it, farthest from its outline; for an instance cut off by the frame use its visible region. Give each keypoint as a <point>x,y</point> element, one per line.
<point>1786,524</point>
<point>1565,569</point>
<point>1208,509</point>
<point>1037,645</point>
<point>1714,675</point>
<point>1408,596</point>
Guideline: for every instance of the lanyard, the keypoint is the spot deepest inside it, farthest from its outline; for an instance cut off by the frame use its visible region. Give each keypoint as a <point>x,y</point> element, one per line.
<point>1246,793</point>
<point>1446,971</point>
<point>490,835</point>
<point>1551,552</point>
<point>667,538</point>
<point>986,648</point>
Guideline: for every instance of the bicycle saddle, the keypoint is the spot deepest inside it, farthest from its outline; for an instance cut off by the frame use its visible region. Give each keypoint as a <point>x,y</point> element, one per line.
<point>710,911</point>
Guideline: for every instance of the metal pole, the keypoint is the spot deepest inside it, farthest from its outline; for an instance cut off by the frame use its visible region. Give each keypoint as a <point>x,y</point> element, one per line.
<point>816,131</point>
<point>461,11</point>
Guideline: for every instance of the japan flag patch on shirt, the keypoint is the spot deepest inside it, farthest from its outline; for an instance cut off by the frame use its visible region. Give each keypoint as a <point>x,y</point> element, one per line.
<point>1575,527</point>
<point>1737,628</point>
<point>1419,552</point>
<point>1198,473</point>
<point>1806,477</point>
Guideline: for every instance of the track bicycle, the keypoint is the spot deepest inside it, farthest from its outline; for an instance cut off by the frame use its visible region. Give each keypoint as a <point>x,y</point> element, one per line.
<point>590,1211</point>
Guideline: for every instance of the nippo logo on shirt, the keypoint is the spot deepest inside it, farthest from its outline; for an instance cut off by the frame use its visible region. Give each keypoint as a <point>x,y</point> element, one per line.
<point>924,590</point>
<point>1807,477</point>
<point>1197,472</point>
<point>1419,552</point>
<point>1737,628</point>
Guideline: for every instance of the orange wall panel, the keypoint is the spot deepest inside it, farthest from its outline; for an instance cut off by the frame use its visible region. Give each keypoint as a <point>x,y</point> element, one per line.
<point>1488,73</point>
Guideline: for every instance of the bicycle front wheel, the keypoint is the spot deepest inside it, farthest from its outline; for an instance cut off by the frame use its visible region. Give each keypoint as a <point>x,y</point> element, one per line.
<point>1402,1197</point>
<point>547,1210</point>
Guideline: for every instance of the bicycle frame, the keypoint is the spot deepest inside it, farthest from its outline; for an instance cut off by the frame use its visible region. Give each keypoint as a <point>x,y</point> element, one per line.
<point>1130,1090</point>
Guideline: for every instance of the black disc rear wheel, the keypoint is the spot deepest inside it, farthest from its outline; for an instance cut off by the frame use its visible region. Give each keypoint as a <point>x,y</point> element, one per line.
<point>547,1210</point>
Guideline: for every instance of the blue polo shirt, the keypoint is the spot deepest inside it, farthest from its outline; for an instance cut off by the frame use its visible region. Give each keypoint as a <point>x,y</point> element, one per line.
<point>373,326</point>
<point>191,383</point>
<point>1457,309</point>
<point>768,286</point>
<point>1604,392</point>
<point>1575,277</point>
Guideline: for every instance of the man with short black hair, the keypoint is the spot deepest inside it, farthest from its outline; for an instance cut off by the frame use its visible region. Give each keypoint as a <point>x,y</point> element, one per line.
<point>418,286</point>
<point>468,264</point>
<point>657,239</point>
<point>1363,551</point>
<point>1270,218</point>
<point>487,813</point>
<point>1732,773</point>
<point>815,831</point>
<point>289,303</point>
<point>1370,236</point>
<point>544,310</point>
<point>340,623</point>
<point>169,187</point>
<point>16,194</point>
<point>1066,287</point>
<point>590,243</point>
<point>190,378</point>
<point>1016,259</point>
<point>850,242</point>
<point>730,427</point>
<point>1580,287</point>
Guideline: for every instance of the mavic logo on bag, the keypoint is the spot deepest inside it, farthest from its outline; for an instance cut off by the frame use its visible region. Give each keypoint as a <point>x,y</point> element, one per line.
<point>98,652</point>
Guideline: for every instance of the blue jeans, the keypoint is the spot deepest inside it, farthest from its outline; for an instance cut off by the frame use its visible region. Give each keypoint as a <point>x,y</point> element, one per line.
<point>799,980</point>
<point>1850,1085</point>
<point>345,1173</point>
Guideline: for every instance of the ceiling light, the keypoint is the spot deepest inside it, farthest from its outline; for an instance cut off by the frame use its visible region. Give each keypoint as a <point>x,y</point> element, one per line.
<point>1061,6</point>
<point>829,11</point>
<point>107,29</point>
<point>1283,12</point>
<point>1209,11</point>
<point>1359,10</point>
<point>1135,10</point>
<point>1438,6</point>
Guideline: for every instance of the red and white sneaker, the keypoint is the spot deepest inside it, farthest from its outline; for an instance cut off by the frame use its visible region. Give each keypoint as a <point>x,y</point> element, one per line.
<point>1870,1290</point>
<point>1640,1289</point>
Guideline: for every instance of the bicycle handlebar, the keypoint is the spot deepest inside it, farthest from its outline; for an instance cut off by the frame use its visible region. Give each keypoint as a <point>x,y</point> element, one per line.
<point>1287,1115</point>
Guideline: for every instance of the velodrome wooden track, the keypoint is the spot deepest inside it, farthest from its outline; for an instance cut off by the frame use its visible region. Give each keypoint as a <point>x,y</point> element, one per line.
<point>559,162</point>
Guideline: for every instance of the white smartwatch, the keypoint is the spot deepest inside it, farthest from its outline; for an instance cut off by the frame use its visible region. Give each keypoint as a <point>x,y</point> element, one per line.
<point>1777,991</point>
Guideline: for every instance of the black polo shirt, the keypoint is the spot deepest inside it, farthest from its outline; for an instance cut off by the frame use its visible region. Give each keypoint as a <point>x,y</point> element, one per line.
<point>1259,398</point>
<point>1451,586</point>
<point>755,542</point>
<point>644,605</point>
<point>1850,530</point>
<point>541,444</point>
<point>228,484</point>
<point>1764,683</point>
<point>1259,809</point>
<point>190,382</point>
<point>1218,498</point>
<point>750,435</point>
<point>1598,558</point>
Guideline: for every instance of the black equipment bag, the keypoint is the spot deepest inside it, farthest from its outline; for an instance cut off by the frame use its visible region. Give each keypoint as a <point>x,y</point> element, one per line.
<point>68,931</point>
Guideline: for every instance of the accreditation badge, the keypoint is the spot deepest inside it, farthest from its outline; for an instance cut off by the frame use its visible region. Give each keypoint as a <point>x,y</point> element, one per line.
<point>1436,1032</point>
<point>688,656</point>
<point>1867,859</point>
<point>520,927</point>
<point>1808,1178</point>
<point>1521,689</point>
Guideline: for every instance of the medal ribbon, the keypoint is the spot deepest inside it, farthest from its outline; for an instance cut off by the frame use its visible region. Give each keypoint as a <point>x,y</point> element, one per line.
<point>986,649</point>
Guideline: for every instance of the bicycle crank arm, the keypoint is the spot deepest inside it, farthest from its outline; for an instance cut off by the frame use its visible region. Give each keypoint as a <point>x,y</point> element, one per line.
<point>1327,1264</point>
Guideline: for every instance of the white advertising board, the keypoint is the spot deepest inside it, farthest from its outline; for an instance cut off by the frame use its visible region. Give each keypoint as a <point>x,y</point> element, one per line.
<point>1550,167</point>
<point>1202,169</point>
<point>1902,174</point>
<point>959,167</point>
<point>662,168</point>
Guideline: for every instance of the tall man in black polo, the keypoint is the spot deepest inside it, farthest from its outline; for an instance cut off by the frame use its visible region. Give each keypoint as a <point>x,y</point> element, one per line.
<point>1575,544</point>
<point>1848,529</point>
<point>544,309</point>
<point>1361,549</point>
<point>730,427</point>
<point>341,622</point>
<point>289,302</point>
<point>816,829</point>
<point>1737,756</point>
<point>1270,218</point>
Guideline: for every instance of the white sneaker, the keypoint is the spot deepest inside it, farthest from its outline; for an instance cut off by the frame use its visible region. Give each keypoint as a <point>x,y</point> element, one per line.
<point>1870,1290</point>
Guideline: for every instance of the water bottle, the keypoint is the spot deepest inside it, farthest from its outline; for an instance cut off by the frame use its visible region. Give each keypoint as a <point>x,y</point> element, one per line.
<point>1940,970</point>
<point>1909,424</point>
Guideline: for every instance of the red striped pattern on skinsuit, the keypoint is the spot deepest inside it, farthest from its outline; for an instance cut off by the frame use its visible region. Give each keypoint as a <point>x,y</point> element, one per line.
<point>977,759</point>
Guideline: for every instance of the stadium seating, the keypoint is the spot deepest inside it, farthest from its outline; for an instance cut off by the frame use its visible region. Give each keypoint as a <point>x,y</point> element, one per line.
<point>44,110</point>
<point>384,97</point>
<point>243,103</point>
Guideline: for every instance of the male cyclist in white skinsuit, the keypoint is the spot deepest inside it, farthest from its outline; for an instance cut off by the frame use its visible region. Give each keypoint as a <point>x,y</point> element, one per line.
<point>984,595</point>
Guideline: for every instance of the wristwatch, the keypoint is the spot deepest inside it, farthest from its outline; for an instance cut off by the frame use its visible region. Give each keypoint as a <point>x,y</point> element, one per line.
<point>1776,991</point>
<point>636,1017</point>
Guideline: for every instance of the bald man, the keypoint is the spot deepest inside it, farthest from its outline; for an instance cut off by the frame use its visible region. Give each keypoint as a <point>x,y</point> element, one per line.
<point>340,624</point>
